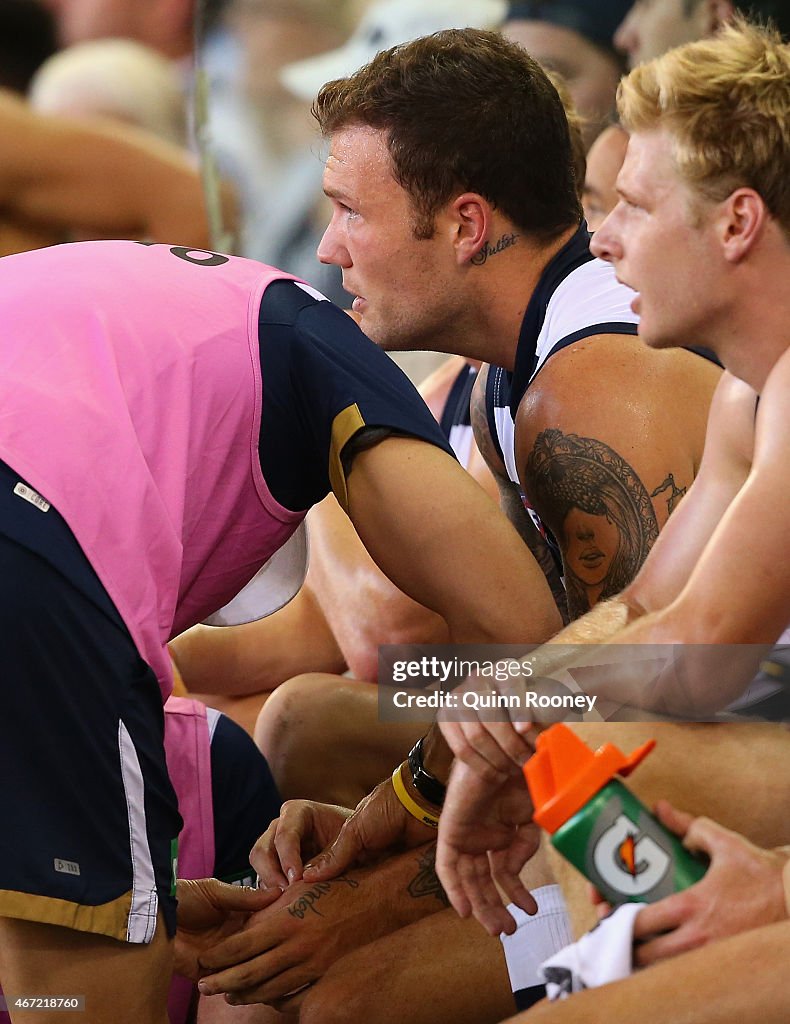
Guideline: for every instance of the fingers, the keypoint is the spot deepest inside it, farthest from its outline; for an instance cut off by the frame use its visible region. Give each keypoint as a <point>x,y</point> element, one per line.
<point>339,856</point>
<point>676,821</point>
<point>475,876</point>
<point>242,947</point>
<point>277,855</point>
<point>446,869</point>
<point>506,866</point>
<point>287,990</point>
<point>218,898</point>
<point>680,941</point>
<point>273,974</point>
<point>668,914</point>
<point>265,859</point>
<point>493,749</point>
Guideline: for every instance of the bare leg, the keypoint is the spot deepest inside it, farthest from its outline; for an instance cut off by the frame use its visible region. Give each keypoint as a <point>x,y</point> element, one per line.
<point>323,740</point>
<point>123,983</point>
<point>214,1010</point>
<point>742,979</point>
<point>439,969</point>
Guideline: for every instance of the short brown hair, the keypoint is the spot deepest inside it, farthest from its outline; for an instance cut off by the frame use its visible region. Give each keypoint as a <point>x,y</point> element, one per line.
<point>465,109</point>
<point>726,102</point>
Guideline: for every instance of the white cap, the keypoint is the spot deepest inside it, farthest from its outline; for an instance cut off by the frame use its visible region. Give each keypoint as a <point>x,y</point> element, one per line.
<point>273,586</point>
<point>386,24</point>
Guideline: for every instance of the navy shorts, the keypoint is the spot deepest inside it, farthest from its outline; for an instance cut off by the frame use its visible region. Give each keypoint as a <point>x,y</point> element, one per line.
<point>89,816</point>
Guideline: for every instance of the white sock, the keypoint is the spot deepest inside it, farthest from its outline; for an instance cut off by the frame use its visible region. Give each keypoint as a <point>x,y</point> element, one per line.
<point>536,938</point>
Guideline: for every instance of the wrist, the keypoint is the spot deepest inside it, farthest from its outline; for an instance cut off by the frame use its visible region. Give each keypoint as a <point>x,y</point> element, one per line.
<point>422,780</point>
<point>786,884</point>
<point>412,800</point>
<point>437,758</point>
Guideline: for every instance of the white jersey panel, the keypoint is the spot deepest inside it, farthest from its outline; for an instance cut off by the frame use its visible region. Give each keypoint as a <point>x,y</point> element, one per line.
<point>589,295</point>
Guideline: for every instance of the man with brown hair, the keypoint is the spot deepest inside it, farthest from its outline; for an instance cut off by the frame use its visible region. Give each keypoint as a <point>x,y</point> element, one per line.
<point>472,243</point>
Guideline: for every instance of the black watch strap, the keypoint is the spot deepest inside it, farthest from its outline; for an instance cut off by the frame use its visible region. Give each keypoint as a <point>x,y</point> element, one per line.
<point>427,785</point>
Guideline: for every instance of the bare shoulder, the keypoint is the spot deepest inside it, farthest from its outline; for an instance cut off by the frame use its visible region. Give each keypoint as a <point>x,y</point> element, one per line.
<point>609,438</point>
<point>648,407</point>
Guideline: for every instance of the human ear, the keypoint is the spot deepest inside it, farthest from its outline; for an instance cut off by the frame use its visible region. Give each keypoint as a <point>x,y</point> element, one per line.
<point>471,218</point>
<point>742,218</point>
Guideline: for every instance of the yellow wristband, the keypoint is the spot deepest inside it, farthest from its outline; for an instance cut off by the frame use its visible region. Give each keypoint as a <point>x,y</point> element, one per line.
<point>409,802</point>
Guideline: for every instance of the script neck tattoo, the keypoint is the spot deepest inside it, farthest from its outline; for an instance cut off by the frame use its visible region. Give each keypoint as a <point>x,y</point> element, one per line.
<point>499,246</point>
<point>426,881</point>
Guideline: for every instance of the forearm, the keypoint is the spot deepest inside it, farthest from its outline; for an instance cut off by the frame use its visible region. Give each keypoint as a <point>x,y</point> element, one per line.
<point>107,179</point>
<point>258,656</point>
<point>361,606</point>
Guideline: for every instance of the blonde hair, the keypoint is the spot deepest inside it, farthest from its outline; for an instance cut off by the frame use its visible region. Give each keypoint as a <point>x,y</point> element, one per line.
<point>726,102</point>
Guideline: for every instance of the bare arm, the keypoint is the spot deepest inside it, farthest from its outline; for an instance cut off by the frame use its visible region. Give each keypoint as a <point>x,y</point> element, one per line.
<point>605,453</point>
<point>738,592</point>
<point>97,178</point>
<point>510,497</point>
<point>414,509</point>
<point>362,607</point>
<point>258,656</point>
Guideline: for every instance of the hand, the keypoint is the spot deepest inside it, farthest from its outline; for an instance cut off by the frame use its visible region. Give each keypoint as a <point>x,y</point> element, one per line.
<point>487,738</point>
<point>303,829</point>
<point>741,889</point>
<point>208,911</point>
<point>291,944</point>
<point>486,836</point>
<point>380,823</point>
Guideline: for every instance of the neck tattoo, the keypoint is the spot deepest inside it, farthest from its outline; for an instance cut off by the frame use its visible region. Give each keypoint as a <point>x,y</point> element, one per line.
<point>503,243</point>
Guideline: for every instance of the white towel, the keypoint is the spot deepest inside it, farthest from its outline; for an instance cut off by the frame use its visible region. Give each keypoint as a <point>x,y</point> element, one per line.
<point>602,955</point>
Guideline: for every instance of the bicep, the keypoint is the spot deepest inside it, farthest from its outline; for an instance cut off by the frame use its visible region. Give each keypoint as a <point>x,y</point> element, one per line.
<point>739,590</point>
<point>603,462</point>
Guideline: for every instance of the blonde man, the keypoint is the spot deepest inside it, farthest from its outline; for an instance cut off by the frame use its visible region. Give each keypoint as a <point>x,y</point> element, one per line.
<point>702,231</point>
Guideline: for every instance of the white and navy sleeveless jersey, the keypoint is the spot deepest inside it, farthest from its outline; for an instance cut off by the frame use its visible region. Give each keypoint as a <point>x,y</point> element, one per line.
<point>456,419</point>
<point>577,296</point>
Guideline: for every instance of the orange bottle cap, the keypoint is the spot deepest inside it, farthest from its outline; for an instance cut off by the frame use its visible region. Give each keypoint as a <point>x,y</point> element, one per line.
<point>564,773</point>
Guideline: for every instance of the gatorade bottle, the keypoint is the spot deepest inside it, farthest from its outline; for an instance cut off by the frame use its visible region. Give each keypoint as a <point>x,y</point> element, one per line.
<point>599,825</point>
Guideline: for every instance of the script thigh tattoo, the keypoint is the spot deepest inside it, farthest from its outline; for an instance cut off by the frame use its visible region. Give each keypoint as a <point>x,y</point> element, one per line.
<point>599,510</point>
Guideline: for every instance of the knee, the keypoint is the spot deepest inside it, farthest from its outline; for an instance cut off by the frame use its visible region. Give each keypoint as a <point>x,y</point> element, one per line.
<point>302,718</point>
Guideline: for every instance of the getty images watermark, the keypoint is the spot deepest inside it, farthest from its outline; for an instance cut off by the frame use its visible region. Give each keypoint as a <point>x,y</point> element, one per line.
<point>476,698</point>
<point>585,682</point>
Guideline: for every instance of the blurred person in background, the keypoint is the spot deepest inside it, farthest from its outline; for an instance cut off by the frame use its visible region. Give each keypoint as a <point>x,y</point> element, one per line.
<point>116,78</point>
<point>164,25</point>
<point>599,195</point>
<point>574,39</point>
<point>653,26</point>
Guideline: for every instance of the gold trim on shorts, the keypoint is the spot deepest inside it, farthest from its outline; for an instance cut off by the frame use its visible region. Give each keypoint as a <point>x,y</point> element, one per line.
<point>110,919</point>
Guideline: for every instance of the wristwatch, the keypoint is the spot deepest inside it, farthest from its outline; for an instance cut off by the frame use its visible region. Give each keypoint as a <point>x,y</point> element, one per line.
<point>427,785</point>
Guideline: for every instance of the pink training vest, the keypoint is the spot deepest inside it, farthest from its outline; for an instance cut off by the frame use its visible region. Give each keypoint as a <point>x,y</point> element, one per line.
<point>130,397</point>
<point>188,748</point>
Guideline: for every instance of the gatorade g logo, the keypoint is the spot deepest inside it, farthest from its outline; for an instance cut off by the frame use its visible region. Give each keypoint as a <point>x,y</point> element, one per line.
<point>629,861</point>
